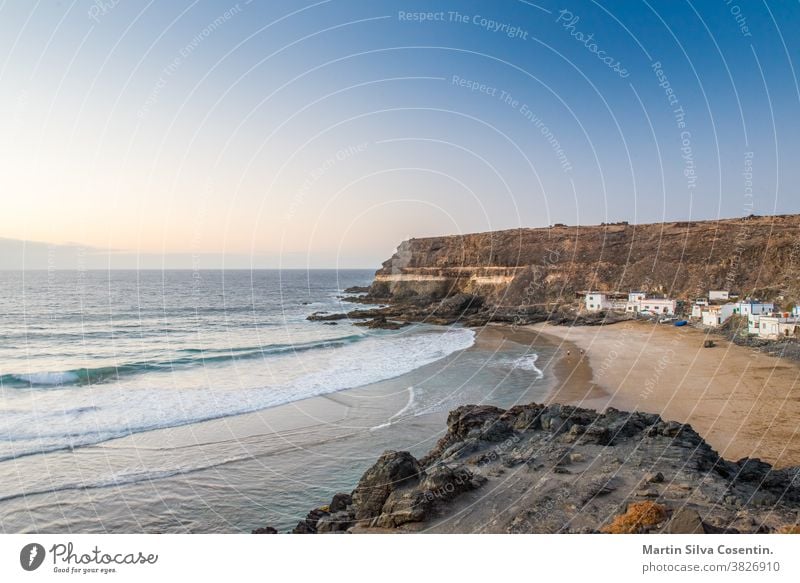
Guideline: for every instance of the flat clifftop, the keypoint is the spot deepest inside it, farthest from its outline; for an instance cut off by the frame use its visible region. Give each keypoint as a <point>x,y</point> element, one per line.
<point>751,256</point>
<point>560,469</point>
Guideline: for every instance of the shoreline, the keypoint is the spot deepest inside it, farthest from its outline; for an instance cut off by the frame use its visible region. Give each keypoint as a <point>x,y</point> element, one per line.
<point>742,401</point>
<point>571,369</point>
<point>231,473</point>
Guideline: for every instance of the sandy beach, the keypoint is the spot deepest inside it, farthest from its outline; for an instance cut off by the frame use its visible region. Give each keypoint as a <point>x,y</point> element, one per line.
<point>743,402</point>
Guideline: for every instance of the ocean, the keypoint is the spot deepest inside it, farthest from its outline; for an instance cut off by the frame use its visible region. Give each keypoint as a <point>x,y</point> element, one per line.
<point>185,401</point>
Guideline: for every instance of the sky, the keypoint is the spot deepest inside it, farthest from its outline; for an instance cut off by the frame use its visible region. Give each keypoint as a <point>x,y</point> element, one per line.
<point>294,134</point>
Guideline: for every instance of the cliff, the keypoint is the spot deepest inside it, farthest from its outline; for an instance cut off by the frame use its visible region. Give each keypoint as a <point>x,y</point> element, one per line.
<point>755,256</point>
<point>548,469</point>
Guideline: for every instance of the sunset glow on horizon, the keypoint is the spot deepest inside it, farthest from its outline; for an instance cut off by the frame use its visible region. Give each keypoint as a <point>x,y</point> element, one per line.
<point>325,134</point>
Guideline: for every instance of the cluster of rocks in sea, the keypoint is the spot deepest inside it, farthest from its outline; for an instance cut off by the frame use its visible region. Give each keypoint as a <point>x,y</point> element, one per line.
<point>562,469</point>
<point>468,309</point>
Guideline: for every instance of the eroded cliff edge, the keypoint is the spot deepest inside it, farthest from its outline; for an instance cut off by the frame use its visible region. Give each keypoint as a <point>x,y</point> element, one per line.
<point>559,469</point>
<point>752,255</point>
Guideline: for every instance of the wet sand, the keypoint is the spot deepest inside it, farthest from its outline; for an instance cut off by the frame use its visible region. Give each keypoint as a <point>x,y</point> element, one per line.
<point>569,370</point>
<point>743,402</point>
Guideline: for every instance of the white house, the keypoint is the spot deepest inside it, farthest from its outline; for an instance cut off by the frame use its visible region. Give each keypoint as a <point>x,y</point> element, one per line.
<point>753,323</point>
<point>714,316</point>
<point>748,307</point>
<point>658,306</point>
<point>796,311</point>
<point>697,307</point>
<point>596,301</point>
<point>718,295</point>
<point>789,328</point>
<point>636,296</point>
<point>777,326</point>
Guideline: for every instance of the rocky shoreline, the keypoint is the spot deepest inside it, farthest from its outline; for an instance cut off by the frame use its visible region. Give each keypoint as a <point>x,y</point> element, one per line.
<point>466,309</point>
<point>559,469</point>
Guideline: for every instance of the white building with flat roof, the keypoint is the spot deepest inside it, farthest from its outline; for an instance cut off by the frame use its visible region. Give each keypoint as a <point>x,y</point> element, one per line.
<point>719,295</point>
<point>753,323</point>
<point>697,307</point>
<point>663,306</point>
<point>596,301</point>
<point>777,326</point>
<point>748,307</point>
<point>636,296</point>
<point>714,316</point>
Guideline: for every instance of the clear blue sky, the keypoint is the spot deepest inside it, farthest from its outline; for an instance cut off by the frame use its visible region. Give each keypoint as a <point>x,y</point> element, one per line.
<point>295,134</point>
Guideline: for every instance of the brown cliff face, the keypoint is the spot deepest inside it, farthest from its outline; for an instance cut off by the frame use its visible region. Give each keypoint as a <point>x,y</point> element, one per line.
<point>752,256</point>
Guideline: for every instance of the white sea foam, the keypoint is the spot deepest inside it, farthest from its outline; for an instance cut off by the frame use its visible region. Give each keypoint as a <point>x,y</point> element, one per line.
<point>528,362</point>
<point>38,421</point>
<point>408,407</point>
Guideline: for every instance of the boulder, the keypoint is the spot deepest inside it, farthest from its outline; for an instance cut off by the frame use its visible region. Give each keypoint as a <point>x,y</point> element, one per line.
<point>685,521</point>
<point>335,522</point>
<point>392,470</point>
<point>340,502</point>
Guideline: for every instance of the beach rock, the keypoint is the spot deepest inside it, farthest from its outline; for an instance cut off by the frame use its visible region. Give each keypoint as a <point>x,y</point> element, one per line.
<point>334,522</point>
<point>654,477</point>
<point>309,525</point>
<point>325,317</point>
<point>381,323</point>
<point>265,530</point>
<point>418,501</point>
<point>527,454</point>
<point>752,470</point>
<point>685,521</point>
<point>392,470</point>
<point>340,502</point>
<point>460,304</point>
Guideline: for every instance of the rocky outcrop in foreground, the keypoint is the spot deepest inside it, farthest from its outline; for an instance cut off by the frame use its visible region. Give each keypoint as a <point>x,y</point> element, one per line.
<point>559,469</point>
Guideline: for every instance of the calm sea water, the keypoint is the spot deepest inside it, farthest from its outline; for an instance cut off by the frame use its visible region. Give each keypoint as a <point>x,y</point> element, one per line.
<point>109,382</point>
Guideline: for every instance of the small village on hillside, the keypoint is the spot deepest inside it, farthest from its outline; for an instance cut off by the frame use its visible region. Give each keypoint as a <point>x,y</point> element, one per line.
<point>764,319</point>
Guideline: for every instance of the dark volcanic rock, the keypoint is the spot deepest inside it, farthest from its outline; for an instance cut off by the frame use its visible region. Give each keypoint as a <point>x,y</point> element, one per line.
<point>326,317</point>
<point>335,522</point>
<point>685,521</point>
<point>340,502</point>
<point>565,469</point>
<point>309,525</point>
<point>381,323</point>
<point>392,470</point>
